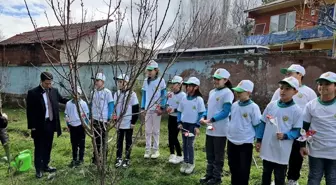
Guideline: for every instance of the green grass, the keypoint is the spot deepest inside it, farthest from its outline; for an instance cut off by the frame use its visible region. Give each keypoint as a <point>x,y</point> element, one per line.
<point>142,172</point>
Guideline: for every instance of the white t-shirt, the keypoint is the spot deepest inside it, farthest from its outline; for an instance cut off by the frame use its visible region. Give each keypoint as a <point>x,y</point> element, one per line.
<point>272,149</point>
<point>174,101</point>
<point>305,95</point>
<point>100,102</point>
<point>71,112</point>
<point>323,121</point>
<point>121,100</point>
<point>153,92</point>
<point>190,109</point>
<point>217,98</point>
<point>243,119</point>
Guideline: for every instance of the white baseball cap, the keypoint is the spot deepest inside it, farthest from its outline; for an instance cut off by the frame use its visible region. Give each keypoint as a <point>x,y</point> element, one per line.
<point>221,73</point>
<point>329,76</point>
<point>244,86</point>
<point>100,76</point>
<point>176,79</point>
<point>152,65</point>
<point>79,90</point>
<point>122,77</point>
<point>293,82</point>
<point>294,68</point>
<point>193,80</point>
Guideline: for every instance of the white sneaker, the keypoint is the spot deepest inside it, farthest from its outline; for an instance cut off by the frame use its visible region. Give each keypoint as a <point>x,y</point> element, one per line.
<point>172,158</point>
<point>183,167</point>
<point>292,182</point>
<point>155,155</point>
<point>190,168</point>
<point>178,160</point>
<point>147,154</point>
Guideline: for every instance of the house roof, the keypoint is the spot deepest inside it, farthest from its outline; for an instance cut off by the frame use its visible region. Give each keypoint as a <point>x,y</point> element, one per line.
<point>274,6</point>
<point>56,33</point>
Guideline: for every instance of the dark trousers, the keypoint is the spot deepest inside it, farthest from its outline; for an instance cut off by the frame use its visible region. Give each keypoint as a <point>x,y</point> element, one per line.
<point>173,132</point>
<point>279,173</point>
<point>127,134</point>
<point>188,143</point>
<point>215,148</point>
<point>43,140</point>
<point>295,162</point>
<point>99,133</point>
<point>77,138</point>
<point>240,159</point>
<point>319,167</point>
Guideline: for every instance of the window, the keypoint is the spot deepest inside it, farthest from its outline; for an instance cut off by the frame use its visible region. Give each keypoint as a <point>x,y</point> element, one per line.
<point>259,29</point>
<point>283,22</point>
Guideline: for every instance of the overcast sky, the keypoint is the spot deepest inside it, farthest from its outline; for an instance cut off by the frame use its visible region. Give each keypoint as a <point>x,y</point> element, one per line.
<point>14,18</point>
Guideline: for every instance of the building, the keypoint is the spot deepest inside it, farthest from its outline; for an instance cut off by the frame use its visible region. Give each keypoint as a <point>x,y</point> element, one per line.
<point>126,53</point>
<point>293,25</point>
<point>26,48</point>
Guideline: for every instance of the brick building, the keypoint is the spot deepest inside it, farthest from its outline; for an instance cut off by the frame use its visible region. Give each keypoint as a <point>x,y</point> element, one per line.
<point>293,25</point>
<point>26,48</point>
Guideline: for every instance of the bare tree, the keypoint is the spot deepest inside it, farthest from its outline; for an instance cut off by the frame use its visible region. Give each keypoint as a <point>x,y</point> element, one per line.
<point>3,75</point>
<point>148,25</point>
<point>240,22</point>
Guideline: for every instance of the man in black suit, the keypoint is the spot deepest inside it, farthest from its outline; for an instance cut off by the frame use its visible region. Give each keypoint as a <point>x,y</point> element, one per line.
<point>43,121</point>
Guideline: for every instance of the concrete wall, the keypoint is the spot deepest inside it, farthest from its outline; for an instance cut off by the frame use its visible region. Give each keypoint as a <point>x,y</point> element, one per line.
<point>263,70</point>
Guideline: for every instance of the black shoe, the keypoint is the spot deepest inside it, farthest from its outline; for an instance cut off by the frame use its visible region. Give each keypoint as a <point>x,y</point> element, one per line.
<point>214,181</point>
<point>39,174</point>
<point>50,169</point>
<point>72,164</point>
<point>118,163</point>
<point>80,162</point>
<point>205,179</point>
<point>126,163</point>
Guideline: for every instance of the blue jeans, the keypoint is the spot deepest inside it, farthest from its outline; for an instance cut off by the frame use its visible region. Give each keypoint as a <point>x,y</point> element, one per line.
<point>319,167</point>
<point>188,143</point>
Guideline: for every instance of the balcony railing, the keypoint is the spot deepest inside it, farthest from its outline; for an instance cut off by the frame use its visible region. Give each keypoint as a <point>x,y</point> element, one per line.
<point>289,36</point>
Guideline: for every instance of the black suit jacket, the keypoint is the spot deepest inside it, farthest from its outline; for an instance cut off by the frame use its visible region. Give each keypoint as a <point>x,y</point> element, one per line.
<point>36,109</point>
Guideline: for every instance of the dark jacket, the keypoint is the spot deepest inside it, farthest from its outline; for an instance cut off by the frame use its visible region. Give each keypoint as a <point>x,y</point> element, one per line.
<point>3,122</point>
<point>36,109</point>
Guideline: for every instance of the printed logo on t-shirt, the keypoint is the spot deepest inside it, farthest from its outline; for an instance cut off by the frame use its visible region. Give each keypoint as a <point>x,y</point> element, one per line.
<point>217,99</point>
<point>335,116</point>
<point>194,107</point>
<point>300,95</point>
<point>245,115</point>
<point>285,118</point>
<point>177,102</point>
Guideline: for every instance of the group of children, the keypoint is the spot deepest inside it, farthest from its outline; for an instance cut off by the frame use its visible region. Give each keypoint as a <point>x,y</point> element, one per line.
<point>294,111</point>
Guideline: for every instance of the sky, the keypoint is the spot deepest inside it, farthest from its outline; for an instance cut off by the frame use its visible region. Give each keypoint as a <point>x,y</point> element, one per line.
<point>14,18</point>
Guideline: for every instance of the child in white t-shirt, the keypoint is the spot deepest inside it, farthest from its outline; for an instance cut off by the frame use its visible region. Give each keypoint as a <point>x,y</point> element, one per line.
<point>174,99</point>
<point>190,111</point>
<point>127,106</point>
<point>153,102</point>
<point>102,110</point>
<point>245,115</point>
<point>77,131</point>
<point>304,96</point>
<point>320,116</point>
<point>218,112</point>
<point>280,125</point>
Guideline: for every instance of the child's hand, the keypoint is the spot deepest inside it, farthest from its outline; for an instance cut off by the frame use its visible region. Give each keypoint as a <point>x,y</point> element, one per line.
<point>280,136</point>
<point>304,151</point>
<point>180,126</point>
<point>159,112</point>
<point>170,110</point>
<point>202,121</point>
<point>68,129</point>
<point>258,146</point>
<point>197,131</point>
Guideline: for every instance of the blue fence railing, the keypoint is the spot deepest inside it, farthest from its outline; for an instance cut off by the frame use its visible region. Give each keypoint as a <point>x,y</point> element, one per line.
<point>289,36</point>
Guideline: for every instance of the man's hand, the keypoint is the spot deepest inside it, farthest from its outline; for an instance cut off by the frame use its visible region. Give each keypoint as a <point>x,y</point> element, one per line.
<point>304,151</point>
<point>280,136</point>
<point>132,126</point>
<point>197,131</point>
<point>68,129</point>
<point>258,146</point>
<point>4,115</point>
